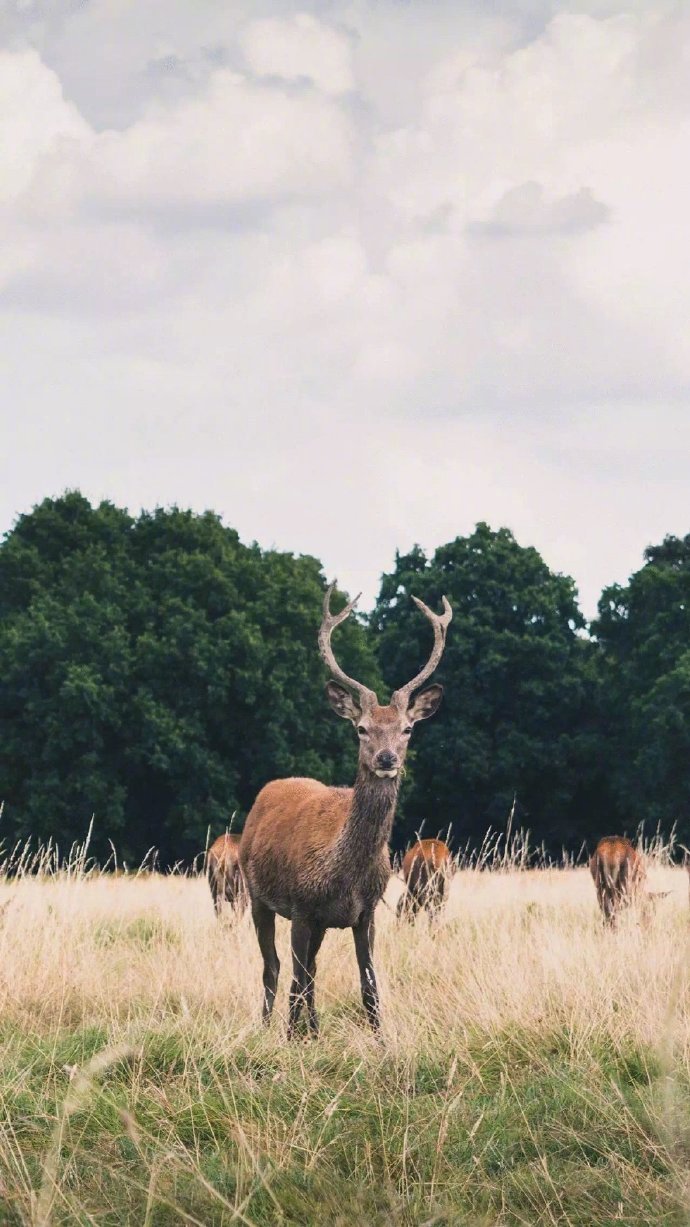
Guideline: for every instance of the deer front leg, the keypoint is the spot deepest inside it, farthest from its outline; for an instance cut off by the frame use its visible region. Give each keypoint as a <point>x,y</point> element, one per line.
<point>363,933</point>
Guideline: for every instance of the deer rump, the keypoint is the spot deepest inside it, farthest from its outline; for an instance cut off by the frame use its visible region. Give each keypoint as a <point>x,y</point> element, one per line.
<point>425,870</point>
<point>619,874</point>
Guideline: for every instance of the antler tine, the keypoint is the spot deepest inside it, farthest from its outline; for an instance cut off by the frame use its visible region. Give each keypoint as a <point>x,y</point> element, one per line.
<point>440,624</point>
<point>328,625</point>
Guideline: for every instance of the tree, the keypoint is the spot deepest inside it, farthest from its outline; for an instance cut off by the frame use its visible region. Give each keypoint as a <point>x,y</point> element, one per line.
<point>156,672</point>
<point>643,631</point>
<point>519,712</point>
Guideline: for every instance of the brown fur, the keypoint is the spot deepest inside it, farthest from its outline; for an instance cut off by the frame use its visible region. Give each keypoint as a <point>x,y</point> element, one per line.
<point>426,869</point>
<point>319,855</point>
<point>619,874</point>
<point>225,876</point>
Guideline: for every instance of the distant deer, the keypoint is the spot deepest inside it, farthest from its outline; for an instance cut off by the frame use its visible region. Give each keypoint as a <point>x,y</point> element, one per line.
<point>225,876</point>
<point>318,855</point>
<point>426,869</point>
<point>620,876</point>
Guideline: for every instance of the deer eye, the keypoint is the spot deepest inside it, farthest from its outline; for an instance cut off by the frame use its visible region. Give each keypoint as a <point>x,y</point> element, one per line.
<point>362,730</point>
<point>407,731</point>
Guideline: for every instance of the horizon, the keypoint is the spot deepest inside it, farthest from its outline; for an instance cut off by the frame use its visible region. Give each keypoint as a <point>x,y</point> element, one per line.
<point>367,598</point>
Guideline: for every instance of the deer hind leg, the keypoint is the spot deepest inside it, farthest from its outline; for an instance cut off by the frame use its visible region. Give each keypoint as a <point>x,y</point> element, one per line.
<point>265,925</point>
<point>410,905</point>
<point>605,895</point>
<point>300,940</point>
<point>317,936</point>
<point>233,891</point>
<point>609,904</point>
<point>216,892</point>
<point>436,899</point>
<point>363,933</point>
<point>239,900</point>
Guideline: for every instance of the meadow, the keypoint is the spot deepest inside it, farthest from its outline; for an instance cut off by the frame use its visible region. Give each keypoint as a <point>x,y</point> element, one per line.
<point>534,1068</point>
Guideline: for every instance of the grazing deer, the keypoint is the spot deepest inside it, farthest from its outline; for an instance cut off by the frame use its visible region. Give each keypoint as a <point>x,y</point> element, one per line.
<point>426,869</point>
<point>225,876</point>
<point>620,875</point>
<point>318,855</point>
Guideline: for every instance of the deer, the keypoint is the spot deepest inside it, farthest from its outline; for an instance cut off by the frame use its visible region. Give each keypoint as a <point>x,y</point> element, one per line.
<point>225,876</point>
<point>426,869</point>
<point>318,855</point>
<point>620,876</point>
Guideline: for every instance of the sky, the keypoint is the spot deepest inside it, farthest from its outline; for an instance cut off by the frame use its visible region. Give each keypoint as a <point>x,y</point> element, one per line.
<point>355,275</point>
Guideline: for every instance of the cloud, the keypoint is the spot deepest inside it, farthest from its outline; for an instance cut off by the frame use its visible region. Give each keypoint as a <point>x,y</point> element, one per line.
<point>299,48</point>
<point>355,276</point>
<point>524,210</point>
<point>233,142</point>
<point>35,120</point>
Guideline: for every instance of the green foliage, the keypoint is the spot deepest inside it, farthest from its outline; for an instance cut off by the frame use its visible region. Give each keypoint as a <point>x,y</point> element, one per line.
<point>520,692</point>
<point>156,672</point>
<point>643,631</point>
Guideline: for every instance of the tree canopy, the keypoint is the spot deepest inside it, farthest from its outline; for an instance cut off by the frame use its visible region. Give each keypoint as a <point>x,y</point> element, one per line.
<point>514,725</point>
<point>156,672</point>
<point>643,630</point>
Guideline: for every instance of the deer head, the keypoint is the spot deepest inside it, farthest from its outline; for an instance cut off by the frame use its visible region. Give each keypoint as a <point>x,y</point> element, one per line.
<point>384,732</point>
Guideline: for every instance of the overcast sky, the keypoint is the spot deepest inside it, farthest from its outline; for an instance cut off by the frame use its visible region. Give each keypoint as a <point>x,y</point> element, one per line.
<point>354,275</point>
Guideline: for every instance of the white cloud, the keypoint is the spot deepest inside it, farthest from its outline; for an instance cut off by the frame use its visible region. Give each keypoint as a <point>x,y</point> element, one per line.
<point>233,143</point>
<point>35,120</point>
<point>236,142</point>
<point>297,48</point>
<point>355,276</point>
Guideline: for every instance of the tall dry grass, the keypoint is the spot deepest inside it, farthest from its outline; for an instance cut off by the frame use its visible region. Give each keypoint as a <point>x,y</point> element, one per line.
<point>534,1067</point>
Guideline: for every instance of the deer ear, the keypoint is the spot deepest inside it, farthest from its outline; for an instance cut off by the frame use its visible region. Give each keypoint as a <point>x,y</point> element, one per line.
<point>342,702</point>
<point>426,703</point>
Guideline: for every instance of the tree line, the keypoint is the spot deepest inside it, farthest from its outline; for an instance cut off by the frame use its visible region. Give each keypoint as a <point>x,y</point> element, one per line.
<point>155,672</point>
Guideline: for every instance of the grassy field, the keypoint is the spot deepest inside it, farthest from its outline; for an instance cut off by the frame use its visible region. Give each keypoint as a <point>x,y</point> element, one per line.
<point>534,1069</point>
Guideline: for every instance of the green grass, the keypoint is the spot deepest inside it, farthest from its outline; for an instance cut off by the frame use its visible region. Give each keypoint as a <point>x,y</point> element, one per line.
<point>492,1130</point>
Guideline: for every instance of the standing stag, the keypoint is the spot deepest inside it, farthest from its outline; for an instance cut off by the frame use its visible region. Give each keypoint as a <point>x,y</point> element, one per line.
<point>225,876</point>
<point>426,869</point>
<point>319,856</point>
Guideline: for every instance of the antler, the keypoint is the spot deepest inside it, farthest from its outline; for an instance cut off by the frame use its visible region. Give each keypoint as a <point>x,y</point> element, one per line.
<point>328,625</point>
<point>440,624</point>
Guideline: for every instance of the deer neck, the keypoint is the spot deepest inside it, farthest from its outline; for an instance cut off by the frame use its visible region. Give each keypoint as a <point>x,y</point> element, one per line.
<point>370,820</point>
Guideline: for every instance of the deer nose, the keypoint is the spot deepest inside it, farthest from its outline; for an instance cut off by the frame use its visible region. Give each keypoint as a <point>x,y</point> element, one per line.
<point>386,760</point>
